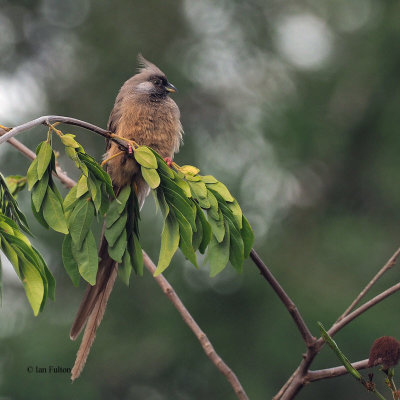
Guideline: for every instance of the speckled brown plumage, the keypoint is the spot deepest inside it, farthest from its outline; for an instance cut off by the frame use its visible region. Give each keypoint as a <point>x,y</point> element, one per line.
<point>143,112</point>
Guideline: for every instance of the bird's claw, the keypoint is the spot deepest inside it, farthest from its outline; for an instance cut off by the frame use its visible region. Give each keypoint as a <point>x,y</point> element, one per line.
<point>168,160</point>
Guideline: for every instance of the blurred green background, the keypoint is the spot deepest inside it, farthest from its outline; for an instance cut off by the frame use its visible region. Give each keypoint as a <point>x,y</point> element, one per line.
<point>295,106</point>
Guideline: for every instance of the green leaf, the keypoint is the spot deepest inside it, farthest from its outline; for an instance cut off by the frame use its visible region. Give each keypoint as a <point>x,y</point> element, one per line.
<point>213,211</point>
<point>135,251</point>
<point>53,212</point>
<point>217,226</point>
<point>227,213</point>
<point>70,265</point>
<point>125,268</point>
<point>208,179</point>
<point>145,157</point>
<point>39,191</point>
<point>55,190</point>
<point>114,231</point>
<point>237,212</point>
<point>220,188</point>
<point>15,183</point>
<point>169,243</point>
<point>105,200</point>
<point>68,140</point>
<point>51,282</point>
<point>199,189</point>
<point>151,177</point>
<point>182,204</point>
<point>1,279</point>
<point>32,175</point>
<point>218,253</point>
<point>206,228</point>
<point>172,185</point>
<point>12,256</point>
<point>247,236</point>
<point>70,198</point>
<point>198,234</point>
<point>236,248</point>
<point>86,258</point>
<point>80,221</point>
<point>118,206</point>
<point>95,191</point>
<point>39,216</point>
<point>73,155</point>
<point>33,285</point>
<point>162,202</point>
<point>117,251</point>
<point>192,178</point>
<point>91,163</point>
<point>44,158</point>
<point>189,170</point>
<point>186,235</point>
<point>344,360</point>
<point>82,186</point>
<point>183,185</point>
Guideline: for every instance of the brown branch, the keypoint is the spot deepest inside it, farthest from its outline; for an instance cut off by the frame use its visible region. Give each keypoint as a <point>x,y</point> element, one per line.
<point>308,338</point>
<point>333,372</point>
<point>360,310</point>
<point>390,263</point>
<point>201,336</point>
<point>51,119</point>
<point>161,280</point>
<point>299,378</point>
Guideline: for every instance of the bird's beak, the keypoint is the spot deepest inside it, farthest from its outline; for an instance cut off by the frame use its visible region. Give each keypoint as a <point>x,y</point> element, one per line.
<point>171,88</point>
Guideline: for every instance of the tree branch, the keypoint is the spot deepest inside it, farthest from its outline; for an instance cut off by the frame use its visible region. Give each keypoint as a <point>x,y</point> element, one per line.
<point>302,374</point>
<point>51,119</point>
<point>390,263</point>
<point>360,310</point>
<point>333,372</point>
<point>161,280</point>
<point>308,338</point>
<point>201,336</point>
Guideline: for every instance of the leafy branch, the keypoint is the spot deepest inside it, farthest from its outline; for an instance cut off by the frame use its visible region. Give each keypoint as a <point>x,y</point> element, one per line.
<point>190,231</point>
<point>74,196</point>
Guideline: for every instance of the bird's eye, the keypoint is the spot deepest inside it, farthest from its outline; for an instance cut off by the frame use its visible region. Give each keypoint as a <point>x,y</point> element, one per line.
<point>157,82</point>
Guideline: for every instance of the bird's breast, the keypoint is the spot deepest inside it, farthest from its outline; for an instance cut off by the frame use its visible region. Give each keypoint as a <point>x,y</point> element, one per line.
<point>155,125</point>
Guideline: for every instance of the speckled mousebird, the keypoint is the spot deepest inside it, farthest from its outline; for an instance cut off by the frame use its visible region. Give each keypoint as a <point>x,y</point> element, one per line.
<point>143,112</point>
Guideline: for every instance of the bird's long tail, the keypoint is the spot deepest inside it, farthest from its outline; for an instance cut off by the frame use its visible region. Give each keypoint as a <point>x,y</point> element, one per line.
<point>92,307</point>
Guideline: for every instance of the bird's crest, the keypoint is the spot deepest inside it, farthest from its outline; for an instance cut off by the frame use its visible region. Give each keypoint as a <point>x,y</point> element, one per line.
<point>147,66</point>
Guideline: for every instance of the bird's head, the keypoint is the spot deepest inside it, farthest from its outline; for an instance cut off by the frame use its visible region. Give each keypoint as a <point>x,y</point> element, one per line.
<point>152,81</point>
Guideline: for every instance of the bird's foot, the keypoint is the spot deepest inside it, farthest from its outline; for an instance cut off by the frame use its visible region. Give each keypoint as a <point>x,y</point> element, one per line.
<point>5,128</point>
<point>130,150</point>
<point>169,161</point>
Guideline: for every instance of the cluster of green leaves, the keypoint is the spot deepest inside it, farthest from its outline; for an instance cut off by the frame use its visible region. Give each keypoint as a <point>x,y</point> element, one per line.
<point>47,203</point>
<point>29,265</point>
<point>122,233</point>
<point>90,197</point>
<point>182,195</point>
<point>199,214</point>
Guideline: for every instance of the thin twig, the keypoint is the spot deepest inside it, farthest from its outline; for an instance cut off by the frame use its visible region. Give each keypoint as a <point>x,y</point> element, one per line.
<point>308,338</point>
<point>332,372</point>
<point>201,336</point>
<point>299,377</point>
<point>51,119</point>
<point>390,263</point>
<point>360,310</point>
<point>161,280</point>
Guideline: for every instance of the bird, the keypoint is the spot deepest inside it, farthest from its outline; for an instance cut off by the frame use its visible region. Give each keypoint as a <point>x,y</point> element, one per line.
<point>145,113</point>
